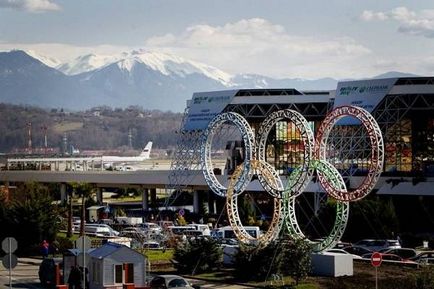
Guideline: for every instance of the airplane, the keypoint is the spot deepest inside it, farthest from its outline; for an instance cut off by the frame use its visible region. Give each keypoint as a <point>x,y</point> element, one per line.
<point>106,161</point>
<point>109,161</point>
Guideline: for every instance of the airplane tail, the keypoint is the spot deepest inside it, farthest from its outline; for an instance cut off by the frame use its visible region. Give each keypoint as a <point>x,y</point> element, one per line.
<point>146,152</point>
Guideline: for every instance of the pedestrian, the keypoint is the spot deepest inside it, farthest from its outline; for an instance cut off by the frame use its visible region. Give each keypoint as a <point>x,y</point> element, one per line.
<point>45,248</point>
<point>399,240</point>
<point>86,276</point>
<point>74,280</point>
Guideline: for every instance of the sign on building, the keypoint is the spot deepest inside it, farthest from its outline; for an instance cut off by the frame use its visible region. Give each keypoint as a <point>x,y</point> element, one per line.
<point>366,94</point>
<point>204,106</point>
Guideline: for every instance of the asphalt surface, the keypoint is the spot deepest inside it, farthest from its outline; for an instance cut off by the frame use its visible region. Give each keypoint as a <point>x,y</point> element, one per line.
<point>25,275</point>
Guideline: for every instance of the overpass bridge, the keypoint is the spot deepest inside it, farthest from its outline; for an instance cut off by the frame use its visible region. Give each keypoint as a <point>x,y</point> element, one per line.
<point>148,181</point>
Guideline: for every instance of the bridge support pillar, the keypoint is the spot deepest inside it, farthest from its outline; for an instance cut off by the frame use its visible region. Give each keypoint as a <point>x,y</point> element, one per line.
<point>99,198</point>
<point>212,206</point>
<point>196,207</point>
<point>8,195</point>
<point>153,197</point>
<point>63,195</point>
<point>145,199</point>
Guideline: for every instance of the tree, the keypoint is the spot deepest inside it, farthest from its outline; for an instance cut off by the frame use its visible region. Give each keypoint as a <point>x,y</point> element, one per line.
<point>85,190</point>
<point>31,216</point>
<point>283,256</point>
<point>252,263</point>
<point>294,259</point>
<point>198,255</point>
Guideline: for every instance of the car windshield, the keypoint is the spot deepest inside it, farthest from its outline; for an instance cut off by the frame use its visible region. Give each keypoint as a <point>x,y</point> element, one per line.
<point>157,282</point>
<point>177,283</point>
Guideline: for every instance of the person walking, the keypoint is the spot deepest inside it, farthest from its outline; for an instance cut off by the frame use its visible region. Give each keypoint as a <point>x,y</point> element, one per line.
<point>45,249</point>
<point>74,279</point>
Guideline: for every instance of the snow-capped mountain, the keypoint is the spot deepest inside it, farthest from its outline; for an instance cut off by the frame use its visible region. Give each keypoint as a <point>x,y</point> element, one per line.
<point>49,61</point>
<point>153,80</point>
<point>159,82</point>
<point>260,81</point>
<point>26,80</point>
<point>164,63</point>
<point>87,63</point>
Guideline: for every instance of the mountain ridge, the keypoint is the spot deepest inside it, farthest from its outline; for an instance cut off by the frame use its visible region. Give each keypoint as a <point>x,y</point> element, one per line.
<point>152,80</point>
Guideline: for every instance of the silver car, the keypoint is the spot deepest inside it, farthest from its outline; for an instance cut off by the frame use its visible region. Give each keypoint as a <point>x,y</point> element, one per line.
<point>171,281</point>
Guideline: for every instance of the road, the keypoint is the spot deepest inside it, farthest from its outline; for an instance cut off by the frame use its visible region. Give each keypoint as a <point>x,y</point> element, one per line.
<point>25,275</point>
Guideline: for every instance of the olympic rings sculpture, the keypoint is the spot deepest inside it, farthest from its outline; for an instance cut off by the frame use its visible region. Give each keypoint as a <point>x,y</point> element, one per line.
<point>249,140</point>
<point>314,159</point>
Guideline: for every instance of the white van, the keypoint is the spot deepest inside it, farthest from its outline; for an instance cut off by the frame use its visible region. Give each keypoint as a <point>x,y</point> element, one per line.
<point>228,233</point>
<point>150,228</point>
<point>179,230</point>
<point>203,228</point>
<point>103,227</point>
<point>97,231</point>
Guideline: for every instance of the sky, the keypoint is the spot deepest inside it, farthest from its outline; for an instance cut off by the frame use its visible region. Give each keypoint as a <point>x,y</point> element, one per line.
<point>277,38</point>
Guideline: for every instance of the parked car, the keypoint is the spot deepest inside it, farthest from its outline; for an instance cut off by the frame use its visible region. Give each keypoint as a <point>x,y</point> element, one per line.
<point>341,251</point>
<point>150,228</point>
<point>377,245</point>
<point>341,245</point>
<point>393,244</point>
<point>405,253</point>
<point>391,258</point>
<point>152,245</point>
<point>132,232</point>
<point>171,281</point>
<point>424,257</point>
<point>357,250</point>
<point>102,228</point>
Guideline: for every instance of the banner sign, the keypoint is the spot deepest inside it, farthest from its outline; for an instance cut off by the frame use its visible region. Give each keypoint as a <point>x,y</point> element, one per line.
<point>204,106</point>
<point>366,94</point>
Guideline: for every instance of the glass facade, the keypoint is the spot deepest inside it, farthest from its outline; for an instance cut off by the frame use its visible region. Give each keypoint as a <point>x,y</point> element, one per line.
<point>398,147</point>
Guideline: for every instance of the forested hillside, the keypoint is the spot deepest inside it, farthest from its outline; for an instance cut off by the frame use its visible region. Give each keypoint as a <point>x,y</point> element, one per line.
<point>101,128</point>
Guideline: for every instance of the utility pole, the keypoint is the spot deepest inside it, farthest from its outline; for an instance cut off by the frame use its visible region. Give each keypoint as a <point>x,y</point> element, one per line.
<point>44,128</point>
<point>130,139</point>
<point>65,143</point>
<point>29,135</point>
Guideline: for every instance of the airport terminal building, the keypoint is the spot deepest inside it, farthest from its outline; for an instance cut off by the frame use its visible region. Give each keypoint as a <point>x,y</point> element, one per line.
<point>403,108</point>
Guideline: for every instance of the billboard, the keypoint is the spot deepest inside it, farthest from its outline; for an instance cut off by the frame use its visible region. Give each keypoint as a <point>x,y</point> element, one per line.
<point>366,94</point>
<point>204,106</point>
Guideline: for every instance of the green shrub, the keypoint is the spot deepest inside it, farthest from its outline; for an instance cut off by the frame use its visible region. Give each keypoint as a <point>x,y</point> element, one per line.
<point>424,279</point>
<point>283,256</point>
<point>198,255</point>
<point>63,244</point>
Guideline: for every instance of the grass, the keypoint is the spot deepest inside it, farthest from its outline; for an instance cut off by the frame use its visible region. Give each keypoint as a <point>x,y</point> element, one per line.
<point>226,276</point>
<point>63,235</point>
<point>159,255</point>
<point>67,126</point>
<point>307,286</point>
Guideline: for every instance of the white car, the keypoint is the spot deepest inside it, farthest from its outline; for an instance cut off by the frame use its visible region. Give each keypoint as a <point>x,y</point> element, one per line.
<point>105,227</point>
<point>340,251</point>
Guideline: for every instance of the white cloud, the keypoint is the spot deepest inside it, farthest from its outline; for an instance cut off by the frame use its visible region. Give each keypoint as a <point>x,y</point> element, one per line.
<point>34,6</point>
<point>411,22</point>
<point>369,15</point>
<point>259,46</point>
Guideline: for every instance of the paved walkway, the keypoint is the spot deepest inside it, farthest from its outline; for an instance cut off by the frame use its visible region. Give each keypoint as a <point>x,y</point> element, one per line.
<point>25,275</point>
<point>30,261</point>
